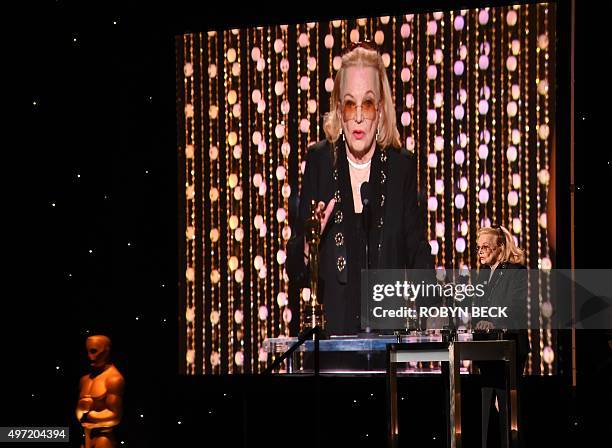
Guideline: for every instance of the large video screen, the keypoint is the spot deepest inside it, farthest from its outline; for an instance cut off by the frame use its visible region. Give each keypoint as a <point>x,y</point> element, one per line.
<point>474,96</point>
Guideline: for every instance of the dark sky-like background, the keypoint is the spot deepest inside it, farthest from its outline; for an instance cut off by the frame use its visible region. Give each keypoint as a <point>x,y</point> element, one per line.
<point>90,183</point>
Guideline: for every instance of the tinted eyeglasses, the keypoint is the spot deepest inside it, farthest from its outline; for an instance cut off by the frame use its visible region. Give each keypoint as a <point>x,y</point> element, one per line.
<point>368,109</point>
<point>484,248</point>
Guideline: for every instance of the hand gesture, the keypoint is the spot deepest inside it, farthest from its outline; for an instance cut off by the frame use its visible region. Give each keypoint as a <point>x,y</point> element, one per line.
<point>323,213</point>
<point>484,325</point>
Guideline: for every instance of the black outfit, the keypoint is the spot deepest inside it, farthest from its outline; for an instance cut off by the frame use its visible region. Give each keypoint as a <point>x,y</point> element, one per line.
<point>396,237</point>
<point>507,287</point>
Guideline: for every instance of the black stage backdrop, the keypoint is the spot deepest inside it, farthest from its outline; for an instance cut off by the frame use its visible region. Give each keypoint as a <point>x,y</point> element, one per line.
<point>90,198</point>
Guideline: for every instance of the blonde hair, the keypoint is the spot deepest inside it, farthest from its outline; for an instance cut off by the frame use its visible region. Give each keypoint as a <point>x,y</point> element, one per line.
<point>511,252</point>
<point>388,134</point>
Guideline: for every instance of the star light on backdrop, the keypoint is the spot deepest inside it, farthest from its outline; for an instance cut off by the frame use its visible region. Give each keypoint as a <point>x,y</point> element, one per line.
<point>472,95</point>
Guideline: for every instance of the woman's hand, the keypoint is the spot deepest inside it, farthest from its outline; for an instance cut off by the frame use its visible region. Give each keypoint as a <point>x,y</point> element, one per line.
<point>485,325</point>
<point>323,213</point>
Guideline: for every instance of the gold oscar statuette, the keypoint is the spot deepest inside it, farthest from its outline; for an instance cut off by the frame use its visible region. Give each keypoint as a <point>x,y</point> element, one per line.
<point>313,312</point>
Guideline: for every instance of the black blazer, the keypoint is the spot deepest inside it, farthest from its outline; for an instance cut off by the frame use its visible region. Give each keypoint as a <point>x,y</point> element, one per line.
<point>397,237</point>
<point>508,287</point>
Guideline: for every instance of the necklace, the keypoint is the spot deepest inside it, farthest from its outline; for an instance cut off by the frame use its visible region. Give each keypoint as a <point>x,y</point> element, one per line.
<point>359,166</point>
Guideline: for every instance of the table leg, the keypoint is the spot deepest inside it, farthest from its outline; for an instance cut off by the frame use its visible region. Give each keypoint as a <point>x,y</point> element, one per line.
<point>455,394</point>
<point>393,429</point>
<point>290,363</point>
<point>513,396</point>
<point>444,366</point>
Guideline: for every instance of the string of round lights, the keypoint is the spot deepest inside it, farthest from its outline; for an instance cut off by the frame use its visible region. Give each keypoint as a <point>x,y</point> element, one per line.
<point>190,219</point>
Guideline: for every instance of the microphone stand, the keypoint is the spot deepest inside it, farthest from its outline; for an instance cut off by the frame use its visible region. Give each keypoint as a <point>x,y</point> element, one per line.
<point>310,333</point>
<point>365,200</point>
<point>366,227</point>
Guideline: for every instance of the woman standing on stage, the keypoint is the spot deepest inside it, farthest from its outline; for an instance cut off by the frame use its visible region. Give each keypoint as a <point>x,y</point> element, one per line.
<point>504,276</point>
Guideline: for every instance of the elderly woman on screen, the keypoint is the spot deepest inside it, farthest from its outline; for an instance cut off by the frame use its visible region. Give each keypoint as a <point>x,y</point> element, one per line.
<point>362,145</point>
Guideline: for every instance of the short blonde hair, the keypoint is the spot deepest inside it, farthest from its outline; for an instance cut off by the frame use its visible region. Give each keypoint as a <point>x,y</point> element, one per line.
<point>511,252</point>
<point>388,134</point>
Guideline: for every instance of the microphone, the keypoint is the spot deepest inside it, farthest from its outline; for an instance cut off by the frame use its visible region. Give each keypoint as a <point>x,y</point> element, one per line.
<point>365,193</point>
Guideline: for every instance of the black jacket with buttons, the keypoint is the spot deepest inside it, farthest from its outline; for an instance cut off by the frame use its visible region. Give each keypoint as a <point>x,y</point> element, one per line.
<point>397,238</point>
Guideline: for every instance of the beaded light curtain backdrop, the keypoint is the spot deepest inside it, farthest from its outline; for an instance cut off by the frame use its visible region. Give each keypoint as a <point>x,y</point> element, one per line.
<point>474,93</point>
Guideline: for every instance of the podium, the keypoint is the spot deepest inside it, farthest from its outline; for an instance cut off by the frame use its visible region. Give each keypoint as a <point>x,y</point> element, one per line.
<point>451,354</point>
<point>374,346</point>
<point>411,349</point>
